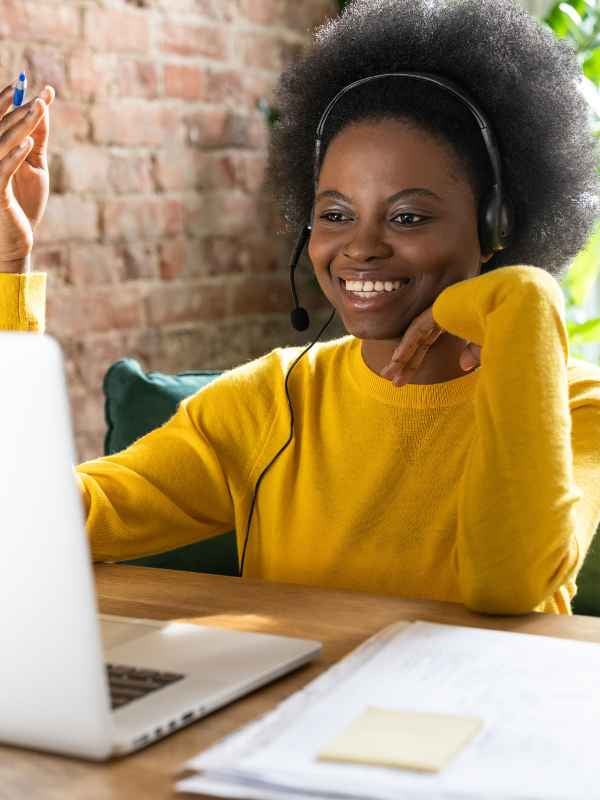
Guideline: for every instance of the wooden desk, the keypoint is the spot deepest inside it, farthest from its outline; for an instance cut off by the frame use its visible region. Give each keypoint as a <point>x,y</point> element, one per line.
<point>341,620</point>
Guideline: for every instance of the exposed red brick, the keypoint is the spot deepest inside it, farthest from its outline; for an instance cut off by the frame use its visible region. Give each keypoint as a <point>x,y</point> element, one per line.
<point>129,123</point>
<point>218,127</point>
<point>68,218</point>
<point>115,29</point>
<point>226,85</point>
<point>68,123</point>
<point>260,50</point>
<point>187,83</point>
<point>174,217</point>
<point>258,294</point>
<point>140,259</point>
<point>137,78</point>
<point>307,15</point>
<point>32,20</point>
<point>92,264</point>
<point>91,75</point>
<point>236,170</point>
<point>45,65</point>
<point>223,255</point>
<point>76,312</point>
<point>172,259</point>
<point>263,12</point>
<point>80,169</point>
<point>230,213</point>
<point>170,303</point>
<point>174,169</point>
<point>136,218</point>
<point>53,259</point>
<point>86,407</point>
<point>95,355</point>
<point>258,86</point>
<point>221,10</point>
<point>193,40</point>
<point>89,445</point>
<point>129,174</point>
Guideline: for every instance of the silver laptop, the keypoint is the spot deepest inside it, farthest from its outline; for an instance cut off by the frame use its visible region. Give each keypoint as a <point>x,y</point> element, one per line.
<point>70,681</point>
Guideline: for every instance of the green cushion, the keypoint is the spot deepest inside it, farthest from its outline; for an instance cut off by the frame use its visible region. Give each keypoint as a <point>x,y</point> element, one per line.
<point>136,402</point>
<point>587,599</point>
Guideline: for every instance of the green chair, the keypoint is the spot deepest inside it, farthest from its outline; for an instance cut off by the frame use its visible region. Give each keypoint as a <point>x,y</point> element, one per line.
<point>587,599</point>
<point>136,402</point>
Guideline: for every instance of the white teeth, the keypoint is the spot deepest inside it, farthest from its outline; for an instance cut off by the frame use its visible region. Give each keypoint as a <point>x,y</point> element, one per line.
<point>370,286</point>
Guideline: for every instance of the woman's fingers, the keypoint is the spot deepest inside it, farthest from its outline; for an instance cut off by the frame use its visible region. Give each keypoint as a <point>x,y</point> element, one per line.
<point>11,163</point>
<point>6,98</point>
<point>19,124</point>
<point>40,133</point>
<point>410,353</point>
<point>470,357</point>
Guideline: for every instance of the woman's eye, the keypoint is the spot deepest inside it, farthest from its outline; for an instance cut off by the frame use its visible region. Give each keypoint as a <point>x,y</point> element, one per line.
<point>333,216</point>
<point>407,219</point>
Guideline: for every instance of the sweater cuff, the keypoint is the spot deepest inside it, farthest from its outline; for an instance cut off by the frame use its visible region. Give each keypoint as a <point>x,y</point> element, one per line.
<point>462,309</point>
<point>23,301</point>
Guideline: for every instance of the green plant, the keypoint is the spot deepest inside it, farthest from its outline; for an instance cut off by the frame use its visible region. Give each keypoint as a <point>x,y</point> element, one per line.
<point>578,21</point>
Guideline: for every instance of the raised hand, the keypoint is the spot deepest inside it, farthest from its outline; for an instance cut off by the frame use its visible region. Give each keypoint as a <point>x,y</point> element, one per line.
<point>24,182</point>
<point>418,338</point>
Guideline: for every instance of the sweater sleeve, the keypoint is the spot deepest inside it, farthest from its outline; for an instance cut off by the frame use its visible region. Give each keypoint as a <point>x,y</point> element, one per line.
<point>186,480</point>
<point>22,301</point>
<point>524,523</point>
<point>166,490</point>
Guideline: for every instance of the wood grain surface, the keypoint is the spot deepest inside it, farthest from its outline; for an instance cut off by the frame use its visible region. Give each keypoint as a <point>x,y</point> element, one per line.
<point>340,619</point>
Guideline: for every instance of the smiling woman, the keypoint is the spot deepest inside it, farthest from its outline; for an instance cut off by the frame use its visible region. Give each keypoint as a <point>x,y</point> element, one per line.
<point>424,236</point>
<point>437,220</point>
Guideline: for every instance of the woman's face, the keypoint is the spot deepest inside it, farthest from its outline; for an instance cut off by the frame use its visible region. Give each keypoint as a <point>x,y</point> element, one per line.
<point>392,204</point>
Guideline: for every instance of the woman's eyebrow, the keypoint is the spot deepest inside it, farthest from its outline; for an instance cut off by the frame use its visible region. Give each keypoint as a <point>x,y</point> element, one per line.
<point>405,193</point>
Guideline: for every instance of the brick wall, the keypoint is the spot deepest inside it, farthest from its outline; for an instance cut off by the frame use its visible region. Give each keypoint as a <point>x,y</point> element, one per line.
<point>159,240</point>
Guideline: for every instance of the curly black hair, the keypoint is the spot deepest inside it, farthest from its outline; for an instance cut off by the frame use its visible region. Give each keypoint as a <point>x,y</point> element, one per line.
<point>523,78</point>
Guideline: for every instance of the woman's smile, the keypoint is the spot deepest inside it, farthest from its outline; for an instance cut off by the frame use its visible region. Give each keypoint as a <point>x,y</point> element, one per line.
<point>374,294</point>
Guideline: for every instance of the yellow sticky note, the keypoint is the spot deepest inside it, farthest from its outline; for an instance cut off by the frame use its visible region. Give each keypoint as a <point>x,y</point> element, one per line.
<point>408,739</point>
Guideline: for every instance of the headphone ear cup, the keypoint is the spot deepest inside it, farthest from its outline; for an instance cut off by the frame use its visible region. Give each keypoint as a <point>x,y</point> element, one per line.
<point>486,225</point>
<point>506,219</point>
<point>495,223</point>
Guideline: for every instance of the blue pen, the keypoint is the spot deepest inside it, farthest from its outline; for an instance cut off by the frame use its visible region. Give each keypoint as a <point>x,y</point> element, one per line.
<point>20,89</point>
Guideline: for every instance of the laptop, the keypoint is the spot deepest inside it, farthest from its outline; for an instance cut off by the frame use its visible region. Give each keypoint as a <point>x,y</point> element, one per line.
<point>74,682</point>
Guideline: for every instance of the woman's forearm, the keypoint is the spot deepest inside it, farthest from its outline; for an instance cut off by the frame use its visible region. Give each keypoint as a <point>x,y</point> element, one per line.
<point>20,266</point>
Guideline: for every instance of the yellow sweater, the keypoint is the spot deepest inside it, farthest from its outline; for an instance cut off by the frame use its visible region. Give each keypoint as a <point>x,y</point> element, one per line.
<point>484,490</point>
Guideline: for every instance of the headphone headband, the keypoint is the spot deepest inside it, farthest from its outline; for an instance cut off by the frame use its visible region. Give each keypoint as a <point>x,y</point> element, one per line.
<point>496,219</point>
<point>444,83</point>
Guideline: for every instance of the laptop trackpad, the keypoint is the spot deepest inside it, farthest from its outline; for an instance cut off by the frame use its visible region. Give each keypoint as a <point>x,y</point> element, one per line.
<point>120,630</point>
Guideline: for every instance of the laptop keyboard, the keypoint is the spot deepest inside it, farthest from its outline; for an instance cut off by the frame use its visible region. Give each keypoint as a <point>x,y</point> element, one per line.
<point>130,683</point>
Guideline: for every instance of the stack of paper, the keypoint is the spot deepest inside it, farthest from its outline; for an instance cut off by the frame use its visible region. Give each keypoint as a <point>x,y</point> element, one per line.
<point>538,698</point>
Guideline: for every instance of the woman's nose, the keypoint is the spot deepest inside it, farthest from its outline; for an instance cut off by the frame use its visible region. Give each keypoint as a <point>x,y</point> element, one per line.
<point>366,243</point>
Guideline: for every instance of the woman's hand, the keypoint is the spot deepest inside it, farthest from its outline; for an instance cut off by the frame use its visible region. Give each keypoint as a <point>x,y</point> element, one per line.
<point>410,353</point>
<point>24,180</point>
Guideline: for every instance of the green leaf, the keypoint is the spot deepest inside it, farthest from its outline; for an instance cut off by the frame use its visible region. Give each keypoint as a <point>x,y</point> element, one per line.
<point>591,67</point>
<point>567,19</point>
<point>583,272</point>
<point>584,332</point>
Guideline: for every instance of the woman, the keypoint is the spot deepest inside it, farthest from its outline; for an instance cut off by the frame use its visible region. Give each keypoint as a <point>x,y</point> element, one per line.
<point>406,467</point>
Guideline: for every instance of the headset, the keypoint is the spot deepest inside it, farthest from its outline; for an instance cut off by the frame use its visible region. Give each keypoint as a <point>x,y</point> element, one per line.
<point>495,225</point>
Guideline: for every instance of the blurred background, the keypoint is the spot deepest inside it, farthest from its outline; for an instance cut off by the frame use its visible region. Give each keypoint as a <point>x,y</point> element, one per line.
<point>159,241</point>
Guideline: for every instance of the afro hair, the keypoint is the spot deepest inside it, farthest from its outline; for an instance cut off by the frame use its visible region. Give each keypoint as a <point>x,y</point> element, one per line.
<point>525,80</point>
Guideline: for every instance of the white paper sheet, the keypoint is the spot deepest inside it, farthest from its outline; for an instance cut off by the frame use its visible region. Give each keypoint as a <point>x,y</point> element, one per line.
<point>538,696</point>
